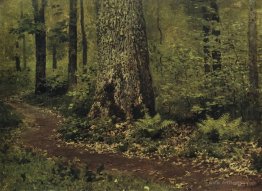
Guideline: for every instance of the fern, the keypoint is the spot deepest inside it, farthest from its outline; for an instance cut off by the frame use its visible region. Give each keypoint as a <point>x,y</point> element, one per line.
<point>225,127</point>
<point>151,127</point>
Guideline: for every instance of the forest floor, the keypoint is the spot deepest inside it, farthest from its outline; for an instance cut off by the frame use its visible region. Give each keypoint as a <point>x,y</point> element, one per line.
<point>41,134</point>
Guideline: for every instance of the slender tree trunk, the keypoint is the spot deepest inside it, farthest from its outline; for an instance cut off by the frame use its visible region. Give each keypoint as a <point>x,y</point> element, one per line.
<point>206,47</point>
<point>160,37</point>
<point>124,86</point>
<point>24,52</point>
<point>253,67</point>
<point>72,66</point>
<point>216,53</point>
<point>54,55</point>
<point>40,43</point>
<point>211,55</point>
<point>158,23</point>
<point>17,57</point>
<point>23,40</point>
<point>84,38</point>
<point>98,38</point>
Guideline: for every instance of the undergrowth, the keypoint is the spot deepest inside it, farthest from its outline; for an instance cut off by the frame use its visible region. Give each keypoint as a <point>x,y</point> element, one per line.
<point>27,169</point>
<point>7,117</point>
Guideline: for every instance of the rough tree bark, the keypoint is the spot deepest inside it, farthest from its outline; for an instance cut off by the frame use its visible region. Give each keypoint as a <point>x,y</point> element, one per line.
<point>253,67</point>
<point>211,31</point>
<point>84,38</point>
<point>40,44</point>
<point>72,65</point>
<point>124,85</point>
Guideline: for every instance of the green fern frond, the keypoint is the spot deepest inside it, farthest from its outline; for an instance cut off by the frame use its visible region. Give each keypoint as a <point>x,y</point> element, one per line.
<point>225,126</point>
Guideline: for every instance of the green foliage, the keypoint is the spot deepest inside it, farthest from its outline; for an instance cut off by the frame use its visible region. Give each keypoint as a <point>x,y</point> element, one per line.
<point>25,25</point>
<point>58,33</point>
<point>82,95</point>
<point>97,130</point>
<point>56,85</point>
<point>12,82</point>
<point>100,131</point>
<point>120,183</point>
<point>147,136</point>
<point>21,170</point>
<point>151,127</point>
<point>215,137</point>
<point>76,102</point>
<point>26,170</point>
<point>7,117</point>
<point>257,161</point>
<point>75,129</point>
<point>223,128</point>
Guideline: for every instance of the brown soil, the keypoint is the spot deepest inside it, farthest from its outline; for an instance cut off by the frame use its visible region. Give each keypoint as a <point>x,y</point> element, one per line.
<point>41,131</point>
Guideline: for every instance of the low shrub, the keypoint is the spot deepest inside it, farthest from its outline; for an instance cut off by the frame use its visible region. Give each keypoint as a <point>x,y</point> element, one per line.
<point>7,117</point>
<point>12,82</point>
<point>25,170</point>
<point>214,137</point>
<point>151,127</point>
<point>97,130</point>
<point>56,85</point>
<point>257,161</point>
<point>75,129</point>
<point>82,95</point>
<point>222,128</point>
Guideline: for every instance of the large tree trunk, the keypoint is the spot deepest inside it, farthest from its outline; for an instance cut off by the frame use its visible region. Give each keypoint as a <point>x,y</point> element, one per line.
<point>84,38</point>
<point>72,66</point>
<point>124,85</point>
<point>40,44</point>
<point>253,67</point>
<point>211,31</point>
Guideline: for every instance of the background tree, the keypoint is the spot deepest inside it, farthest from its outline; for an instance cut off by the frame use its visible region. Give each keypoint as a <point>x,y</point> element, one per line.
<point>23,39</point>
<point>211,36</point>
<point>40,44</point>
<point>160,35</point>
<point>253,65</point>
<point>72,66</point>
<point>17,57</point>
<point>84,38</point>
<point>124,85</point>
<point>57,38</point>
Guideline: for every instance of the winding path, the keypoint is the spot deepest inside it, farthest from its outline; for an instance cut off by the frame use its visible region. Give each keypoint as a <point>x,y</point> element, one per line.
<point>42,125</point>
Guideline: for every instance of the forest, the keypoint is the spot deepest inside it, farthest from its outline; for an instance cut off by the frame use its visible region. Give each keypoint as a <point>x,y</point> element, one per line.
<point>130,95</point>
